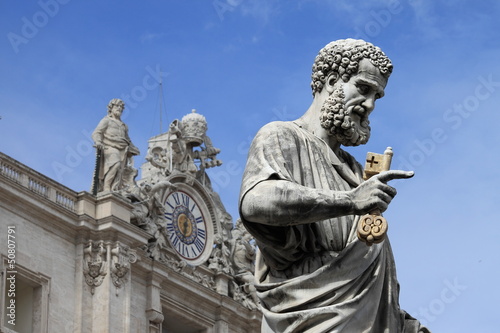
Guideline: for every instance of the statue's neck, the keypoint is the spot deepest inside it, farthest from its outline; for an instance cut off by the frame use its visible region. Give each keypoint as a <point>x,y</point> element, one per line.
<point>310,121</point>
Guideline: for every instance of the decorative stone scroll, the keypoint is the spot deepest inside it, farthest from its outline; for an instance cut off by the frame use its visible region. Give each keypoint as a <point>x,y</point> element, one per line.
<point>121,258</point>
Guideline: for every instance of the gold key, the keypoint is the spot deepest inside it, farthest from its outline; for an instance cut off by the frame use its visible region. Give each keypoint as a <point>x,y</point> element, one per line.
<point>373,227</point>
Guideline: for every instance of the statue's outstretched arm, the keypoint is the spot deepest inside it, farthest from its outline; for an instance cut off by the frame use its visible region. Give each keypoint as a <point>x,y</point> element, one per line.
<point>282,202</point>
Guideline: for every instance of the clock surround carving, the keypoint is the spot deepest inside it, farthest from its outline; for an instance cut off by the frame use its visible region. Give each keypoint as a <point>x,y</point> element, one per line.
<point>190,221</point>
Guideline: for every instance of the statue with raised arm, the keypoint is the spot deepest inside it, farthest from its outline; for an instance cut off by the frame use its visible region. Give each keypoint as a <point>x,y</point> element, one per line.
<point>302,196</point>
<point>114,167</point>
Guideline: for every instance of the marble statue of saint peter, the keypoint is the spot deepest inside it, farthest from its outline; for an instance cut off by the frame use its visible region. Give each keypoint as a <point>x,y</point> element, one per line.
<point>302,196</point>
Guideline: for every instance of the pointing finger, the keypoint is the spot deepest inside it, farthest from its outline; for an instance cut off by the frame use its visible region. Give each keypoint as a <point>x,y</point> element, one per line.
<point>386,176</point>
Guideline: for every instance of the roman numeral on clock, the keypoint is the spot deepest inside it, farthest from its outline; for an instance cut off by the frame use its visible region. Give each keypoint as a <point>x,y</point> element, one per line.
<point>168,216</point>
<point>199,245</point>
<point>185,200</point>
<point>186,227</point>
<point>175,195</point>
<point>202,234</point>
<point>175,240</point>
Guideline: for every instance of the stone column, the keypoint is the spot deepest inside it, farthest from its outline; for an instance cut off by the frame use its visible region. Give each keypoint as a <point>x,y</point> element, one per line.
<point>154,311</point>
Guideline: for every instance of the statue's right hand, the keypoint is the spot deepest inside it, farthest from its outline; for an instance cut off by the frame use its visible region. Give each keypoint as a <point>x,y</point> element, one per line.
<point>375,193</point>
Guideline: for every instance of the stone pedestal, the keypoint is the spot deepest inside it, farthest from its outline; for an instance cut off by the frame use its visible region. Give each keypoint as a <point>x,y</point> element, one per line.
<point>222,284</point>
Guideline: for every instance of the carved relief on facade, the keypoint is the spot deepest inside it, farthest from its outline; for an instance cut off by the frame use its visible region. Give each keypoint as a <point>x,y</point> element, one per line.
<point>185,148</point>
<point>219,261</point>
<point>179,158</point>
<point>94,264</point>
<point>148,214</point>
<point>234,255</point>
<point>243,253</point>
<point>191,272</point>
<point>121,258</point>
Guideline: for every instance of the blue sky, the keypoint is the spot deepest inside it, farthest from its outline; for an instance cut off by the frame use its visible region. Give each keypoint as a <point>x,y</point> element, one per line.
<point>243,63</point>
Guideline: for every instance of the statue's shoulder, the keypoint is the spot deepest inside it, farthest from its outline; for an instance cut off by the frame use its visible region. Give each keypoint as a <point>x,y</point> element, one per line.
<point>102,125</point>
<point>279,127</point>
<point>105,120</point>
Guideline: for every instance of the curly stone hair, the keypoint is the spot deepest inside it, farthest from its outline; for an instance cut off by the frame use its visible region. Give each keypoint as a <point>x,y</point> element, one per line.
<point>113,102</point>
<point>342,58</point>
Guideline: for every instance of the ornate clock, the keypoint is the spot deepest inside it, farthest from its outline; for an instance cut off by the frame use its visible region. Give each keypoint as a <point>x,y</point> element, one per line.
<point>188,223</point>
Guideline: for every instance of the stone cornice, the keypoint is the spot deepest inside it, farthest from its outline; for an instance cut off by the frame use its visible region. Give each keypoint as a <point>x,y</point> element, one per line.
<point>76,216</point>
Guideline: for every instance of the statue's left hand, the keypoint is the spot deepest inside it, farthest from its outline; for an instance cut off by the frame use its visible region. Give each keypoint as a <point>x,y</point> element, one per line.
<point>375,193</point>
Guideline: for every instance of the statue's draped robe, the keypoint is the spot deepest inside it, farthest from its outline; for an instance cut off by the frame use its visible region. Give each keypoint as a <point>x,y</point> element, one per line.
<point>318,277</point>
<point>113,134</point>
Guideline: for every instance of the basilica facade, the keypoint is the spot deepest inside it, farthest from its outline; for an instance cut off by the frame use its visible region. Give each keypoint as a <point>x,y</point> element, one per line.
<point>156,254</point>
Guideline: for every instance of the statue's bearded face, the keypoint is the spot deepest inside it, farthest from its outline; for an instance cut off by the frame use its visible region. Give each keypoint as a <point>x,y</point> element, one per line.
<point>337,118</point>
<point>345,111</point>
<point>116,110</point>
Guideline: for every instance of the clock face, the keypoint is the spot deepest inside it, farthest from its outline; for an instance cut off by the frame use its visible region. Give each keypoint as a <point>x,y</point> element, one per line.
<point>186,226</point>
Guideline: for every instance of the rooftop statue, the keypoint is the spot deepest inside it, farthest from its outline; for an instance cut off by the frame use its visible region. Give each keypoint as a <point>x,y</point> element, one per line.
<point>185,148</point>
<point>174,202</point>
<point>302,197</point>
<point>114,166</point>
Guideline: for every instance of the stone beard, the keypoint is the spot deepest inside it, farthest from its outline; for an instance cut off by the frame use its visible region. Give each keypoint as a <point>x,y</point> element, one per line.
<point>312,273</point>
<point>336,118</point>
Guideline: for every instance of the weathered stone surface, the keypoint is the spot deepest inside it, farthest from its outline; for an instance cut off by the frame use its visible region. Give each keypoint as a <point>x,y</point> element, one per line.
<point>114,165</point>
<point>87,254</point>
<point>302,197</point>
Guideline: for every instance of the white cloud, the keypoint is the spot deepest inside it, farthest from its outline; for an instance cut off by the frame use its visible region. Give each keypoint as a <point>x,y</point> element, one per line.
<point>262,10</point>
